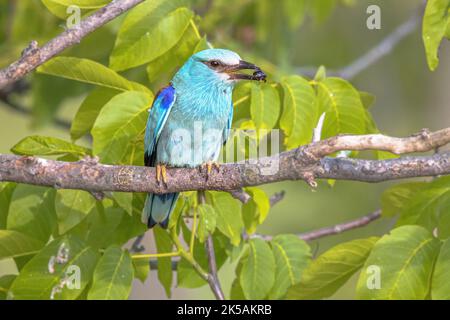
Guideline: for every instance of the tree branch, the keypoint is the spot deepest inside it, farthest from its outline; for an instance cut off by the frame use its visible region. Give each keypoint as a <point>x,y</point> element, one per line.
<point>33,56</point>
<point>332,230</point>
<point>305,163</point>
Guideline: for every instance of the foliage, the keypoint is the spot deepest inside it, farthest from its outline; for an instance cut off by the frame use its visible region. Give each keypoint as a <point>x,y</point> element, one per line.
<point>37,223</point>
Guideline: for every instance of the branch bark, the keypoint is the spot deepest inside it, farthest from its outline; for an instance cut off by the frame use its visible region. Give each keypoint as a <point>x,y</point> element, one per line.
<point>33,56</point>
<point>332,230</point>
<point>305,163</point>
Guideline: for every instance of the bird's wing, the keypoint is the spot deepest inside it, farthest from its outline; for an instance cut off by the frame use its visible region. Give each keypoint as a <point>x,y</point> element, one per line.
<point>226,132</point>
<point>164,100</point>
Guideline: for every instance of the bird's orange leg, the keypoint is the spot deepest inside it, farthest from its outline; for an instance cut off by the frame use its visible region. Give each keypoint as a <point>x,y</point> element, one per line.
<point>161,173</point>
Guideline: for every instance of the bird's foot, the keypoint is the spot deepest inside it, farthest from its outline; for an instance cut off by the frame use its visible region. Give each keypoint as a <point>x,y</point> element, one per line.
<point>161,174</point>
<point>208,166</point>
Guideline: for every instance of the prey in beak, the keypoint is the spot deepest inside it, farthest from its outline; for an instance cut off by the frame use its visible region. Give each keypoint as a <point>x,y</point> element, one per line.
<point>233,71</point>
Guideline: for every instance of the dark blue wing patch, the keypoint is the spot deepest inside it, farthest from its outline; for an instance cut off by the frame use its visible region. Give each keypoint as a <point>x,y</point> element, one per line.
<point>164,100</point>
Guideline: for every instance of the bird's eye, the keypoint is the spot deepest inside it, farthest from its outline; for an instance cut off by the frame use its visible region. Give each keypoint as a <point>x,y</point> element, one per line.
<point>214,63</point>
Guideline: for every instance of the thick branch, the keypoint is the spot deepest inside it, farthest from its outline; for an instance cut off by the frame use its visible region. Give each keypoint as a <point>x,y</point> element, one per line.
<point>33,56</point>
<point>305,163</point>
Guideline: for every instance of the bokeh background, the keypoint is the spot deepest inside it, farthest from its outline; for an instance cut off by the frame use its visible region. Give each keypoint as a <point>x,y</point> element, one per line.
<point>409,97</point>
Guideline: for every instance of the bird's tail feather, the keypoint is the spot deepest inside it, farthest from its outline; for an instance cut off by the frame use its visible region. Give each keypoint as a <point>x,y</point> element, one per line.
<point>158,208</point>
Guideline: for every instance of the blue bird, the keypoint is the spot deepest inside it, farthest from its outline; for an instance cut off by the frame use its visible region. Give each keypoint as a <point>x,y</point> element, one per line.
<point>190,120</point>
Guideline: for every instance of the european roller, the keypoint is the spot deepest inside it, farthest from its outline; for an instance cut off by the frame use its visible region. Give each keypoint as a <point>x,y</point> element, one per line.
<point>190,120</point>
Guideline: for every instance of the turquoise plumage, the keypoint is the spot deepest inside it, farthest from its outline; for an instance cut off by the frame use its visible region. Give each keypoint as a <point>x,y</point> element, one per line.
<point>190,119</point>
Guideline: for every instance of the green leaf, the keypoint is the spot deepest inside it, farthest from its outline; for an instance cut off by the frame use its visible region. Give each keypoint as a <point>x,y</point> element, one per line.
<point>89,71</point>
<point>85,4</point>
<point>395,198</point>
<point>175,57</point>
<point>90,108</point>
<point>405,260</point>
<point>265,106</point>
<point>101,227</point>
<point>345,112</point>
<point>164,245</point>
<point>440,285</point>
<point>326,274</point>
<point>6,191</point>
<point>32,211</point>
<point>141,269</point>
<point>46,146</point>
<point>40,278</point>
<point>300,112</point>
<point>292,256</point>
<point>112,276</point>
<point>5,284</point>
<point>229,220</point>
<point>119,123</point>
<point>148,32</point>
<point>258,271</point>
<point>125,201</point>
<point>255,211</point>
<point>15,244</point>
<point>435,23</point>
<point>208,221</point>
<point>426,205</point>
<point>72,206</point>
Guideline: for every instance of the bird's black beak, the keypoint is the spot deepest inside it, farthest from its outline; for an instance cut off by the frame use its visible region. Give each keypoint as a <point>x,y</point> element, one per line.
<point>258,74</point>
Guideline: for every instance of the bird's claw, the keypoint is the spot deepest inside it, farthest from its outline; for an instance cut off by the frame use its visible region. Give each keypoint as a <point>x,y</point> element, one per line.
<point>209,166</point>
<point>161,173</point>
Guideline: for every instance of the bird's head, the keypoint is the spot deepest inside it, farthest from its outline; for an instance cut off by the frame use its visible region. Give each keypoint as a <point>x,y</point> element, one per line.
<point>219,66</point>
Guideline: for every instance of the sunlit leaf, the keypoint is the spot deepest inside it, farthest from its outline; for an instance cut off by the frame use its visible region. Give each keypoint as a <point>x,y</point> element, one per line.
<point>265,106</point>
<point>404,260</point>
<point>32,211</point>
<point>435,24</point>
<point>113,276</point>
<point>149,30</point>
<point>42,275</point>
<point>208,221</point>
<point>326,274</point>
<point>164,245</point>
<point>89,71</point>
<point>229,220</point>
<point>292,255</point>
<point>90,108</point>
<point>300,112</point>
<point>345,112</point>
<point>440,285</point>
<point>46,146</point>
<point>120,121</point>
<point>72,206</point>
<point>6,191</point>
<point>397,197</point>
<point>258,272</point>
<point>15,244</point>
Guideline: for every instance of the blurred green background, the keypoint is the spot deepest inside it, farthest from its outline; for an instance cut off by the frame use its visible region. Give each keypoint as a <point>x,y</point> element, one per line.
<point>408,96</point>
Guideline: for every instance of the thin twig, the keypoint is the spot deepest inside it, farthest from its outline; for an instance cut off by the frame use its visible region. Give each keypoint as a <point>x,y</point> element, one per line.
<point>241,195</point>
<point>276,197</point>
<point>33,56</point>
<point>332,230</point>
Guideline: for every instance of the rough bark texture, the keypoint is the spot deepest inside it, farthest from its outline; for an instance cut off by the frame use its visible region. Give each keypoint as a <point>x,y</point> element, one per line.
<point>33,56</point>
<point>305,163</point>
